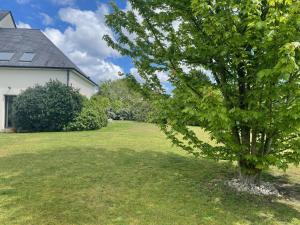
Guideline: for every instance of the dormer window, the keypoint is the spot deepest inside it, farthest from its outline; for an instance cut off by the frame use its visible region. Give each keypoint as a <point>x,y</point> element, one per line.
<point>27,57</point>
<point>6,56</point>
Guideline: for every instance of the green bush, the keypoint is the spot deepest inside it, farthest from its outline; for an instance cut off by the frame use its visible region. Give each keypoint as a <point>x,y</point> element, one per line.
<point>46,108</point>
<point>126,102</point>
<point>92,117</point>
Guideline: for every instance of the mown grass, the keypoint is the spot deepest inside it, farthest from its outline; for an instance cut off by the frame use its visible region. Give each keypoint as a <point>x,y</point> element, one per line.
<point>125,174</point>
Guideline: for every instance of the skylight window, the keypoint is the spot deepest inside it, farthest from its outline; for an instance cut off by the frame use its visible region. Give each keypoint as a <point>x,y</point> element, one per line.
<point>27,57</point>
<point>6,56</point>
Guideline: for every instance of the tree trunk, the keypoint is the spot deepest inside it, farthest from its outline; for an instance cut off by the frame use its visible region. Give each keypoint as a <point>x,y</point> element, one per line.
<point>248,173</point>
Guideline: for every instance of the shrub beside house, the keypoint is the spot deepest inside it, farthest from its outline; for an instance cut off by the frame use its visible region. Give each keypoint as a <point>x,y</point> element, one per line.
<point>56,107</point>
<point>46,108</point>
<point>92,116</point>
<point>28,58</point>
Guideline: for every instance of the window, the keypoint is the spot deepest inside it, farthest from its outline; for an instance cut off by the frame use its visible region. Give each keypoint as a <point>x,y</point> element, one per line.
<point>6,56</point>
<point>27,57</point>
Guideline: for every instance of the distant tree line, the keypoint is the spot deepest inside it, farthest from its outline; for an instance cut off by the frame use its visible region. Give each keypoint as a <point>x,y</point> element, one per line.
<point>126,100</point>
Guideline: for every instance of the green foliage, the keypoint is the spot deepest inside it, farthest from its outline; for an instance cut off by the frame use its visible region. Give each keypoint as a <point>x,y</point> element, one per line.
<point>126,100</point>
<point>235,69</point>
<point>46,108</point>
<point>92,117</point>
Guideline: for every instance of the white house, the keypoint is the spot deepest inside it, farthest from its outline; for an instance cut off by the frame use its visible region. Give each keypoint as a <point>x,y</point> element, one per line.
<point>27,58</point>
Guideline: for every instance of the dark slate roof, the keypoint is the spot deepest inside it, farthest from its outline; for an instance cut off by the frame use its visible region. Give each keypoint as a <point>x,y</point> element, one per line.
<point>47,55</point>
<point>3,13</point>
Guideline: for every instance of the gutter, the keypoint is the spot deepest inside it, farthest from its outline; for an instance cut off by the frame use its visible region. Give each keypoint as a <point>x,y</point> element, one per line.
<point>68,77</point>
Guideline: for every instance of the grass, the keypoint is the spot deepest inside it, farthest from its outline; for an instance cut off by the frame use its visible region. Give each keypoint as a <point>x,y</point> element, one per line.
<point>126,173</point>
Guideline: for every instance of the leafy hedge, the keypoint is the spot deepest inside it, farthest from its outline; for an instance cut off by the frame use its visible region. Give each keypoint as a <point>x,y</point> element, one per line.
<point>92,117</point>
<point>125,100</point>
<point>46,108</point>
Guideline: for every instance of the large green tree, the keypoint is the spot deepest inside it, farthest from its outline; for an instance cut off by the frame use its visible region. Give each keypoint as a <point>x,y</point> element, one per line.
<point>234,65</point>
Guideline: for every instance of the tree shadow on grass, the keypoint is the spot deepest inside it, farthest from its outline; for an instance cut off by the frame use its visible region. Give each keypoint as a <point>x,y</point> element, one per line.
<point>283,183</point>
<point>98,186</point>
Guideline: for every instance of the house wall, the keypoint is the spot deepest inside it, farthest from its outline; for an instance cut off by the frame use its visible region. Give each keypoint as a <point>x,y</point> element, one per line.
<point>7,22</point>
<point>81,83</point>
<point>15,80</point>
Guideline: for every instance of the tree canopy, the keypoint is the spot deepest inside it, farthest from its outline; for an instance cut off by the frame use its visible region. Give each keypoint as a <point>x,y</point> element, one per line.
<point>234,65</point>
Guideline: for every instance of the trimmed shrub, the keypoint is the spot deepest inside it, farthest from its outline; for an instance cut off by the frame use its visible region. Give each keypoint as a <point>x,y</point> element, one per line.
<point>92,117</point>
<point>126,102</point>
<point>121,114</point>
<point>46,108</point>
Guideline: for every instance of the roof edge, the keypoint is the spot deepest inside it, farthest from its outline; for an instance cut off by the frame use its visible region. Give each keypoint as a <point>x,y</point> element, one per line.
<point>13,19</point>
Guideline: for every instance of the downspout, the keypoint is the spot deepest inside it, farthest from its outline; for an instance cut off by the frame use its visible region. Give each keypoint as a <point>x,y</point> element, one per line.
<point>68,78</point>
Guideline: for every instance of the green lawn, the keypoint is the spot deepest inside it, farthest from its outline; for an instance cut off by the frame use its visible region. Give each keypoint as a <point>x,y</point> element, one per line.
<point>125,174</point>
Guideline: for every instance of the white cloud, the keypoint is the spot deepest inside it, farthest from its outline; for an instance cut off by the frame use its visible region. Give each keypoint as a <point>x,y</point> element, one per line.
<point>89,28</point>
<point>188,68</point>
<point>161,75</point>
<point>176,24</point>
<point>23,25</point>
<point>23,1</point>
<point>138,16</point>
<point>46,19</point>
<point>98,68</point>
<point>64,2</point>
<point>82,41</point>
<point>134,71</point>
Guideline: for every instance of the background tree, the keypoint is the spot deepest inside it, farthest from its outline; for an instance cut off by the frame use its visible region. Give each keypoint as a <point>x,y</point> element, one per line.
<point>125,100</point>
<point>93,115</point>
<point>235,67</point>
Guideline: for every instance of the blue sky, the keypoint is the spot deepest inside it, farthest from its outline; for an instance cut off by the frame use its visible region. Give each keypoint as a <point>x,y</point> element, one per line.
<point>76,27</point>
